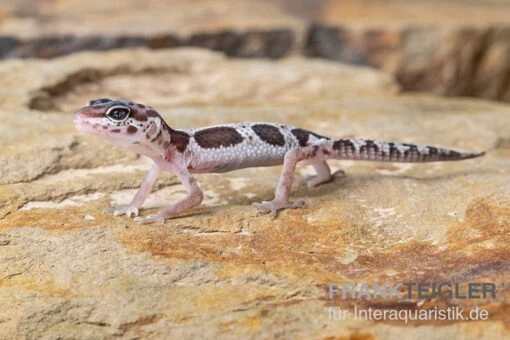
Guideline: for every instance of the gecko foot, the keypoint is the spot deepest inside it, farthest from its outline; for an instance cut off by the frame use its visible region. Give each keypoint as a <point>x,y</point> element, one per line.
<point>127,210</point>
<point>313,181</point>
<point>150,219</point>
<point>316,180</point>
<point>273,206</point>
<point>339,173</point>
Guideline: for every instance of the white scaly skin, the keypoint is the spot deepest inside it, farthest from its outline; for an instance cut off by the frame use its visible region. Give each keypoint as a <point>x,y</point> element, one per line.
<point>228,147</point>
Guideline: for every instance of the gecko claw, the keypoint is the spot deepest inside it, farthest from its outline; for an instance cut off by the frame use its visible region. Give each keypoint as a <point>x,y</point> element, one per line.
<point>273,206</point>
<point>150,219</point>
<point>127,210</point>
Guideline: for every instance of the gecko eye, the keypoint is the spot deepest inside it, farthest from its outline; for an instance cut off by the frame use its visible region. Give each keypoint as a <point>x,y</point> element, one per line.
<point>118,113</point>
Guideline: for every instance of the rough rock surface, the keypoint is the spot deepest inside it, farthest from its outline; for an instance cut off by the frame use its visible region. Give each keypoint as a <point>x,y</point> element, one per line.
<point>68,270</point>
<point>456,48</point>
<point>453,48</point>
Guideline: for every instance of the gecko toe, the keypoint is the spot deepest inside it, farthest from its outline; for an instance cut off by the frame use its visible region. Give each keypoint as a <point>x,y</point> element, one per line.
<point>132,211</point>
<point>128,210</point>
<point>263,206</point>
<point>150,219</point>
<point>339,173</point>
<point>274,206</point>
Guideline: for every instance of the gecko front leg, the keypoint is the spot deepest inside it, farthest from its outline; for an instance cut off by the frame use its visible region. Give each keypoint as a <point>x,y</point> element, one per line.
<point>194,197</point>
<point>140,197</point>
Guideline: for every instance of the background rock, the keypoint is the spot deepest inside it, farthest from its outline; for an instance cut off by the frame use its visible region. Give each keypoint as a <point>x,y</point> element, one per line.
<point>453,48</point>
<point>68,270</point>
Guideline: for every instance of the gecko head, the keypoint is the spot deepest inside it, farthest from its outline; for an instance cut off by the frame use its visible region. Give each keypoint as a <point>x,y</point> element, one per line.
<point>120,122</point>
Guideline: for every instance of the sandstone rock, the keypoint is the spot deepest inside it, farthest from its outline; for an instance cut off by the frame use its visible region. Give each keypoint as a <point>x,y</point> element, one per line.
<point>454,48</point>
<point>224,270</point>
<point>246,28</point>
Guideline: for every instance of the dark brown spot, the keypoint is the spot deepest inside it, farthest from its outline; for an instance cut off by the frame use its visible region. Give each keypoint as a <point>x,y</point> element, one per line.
<point>454,154</point>
<point>216,137</point>
<point>165,126</point>
<point>178,138</point>
<point>269,134</point>
<point>139,115</point>
<point>394,151</point>
<point>131,129</point>
<point>345,146</point>
<point>140,106</point>
<point>314,151</point>
<point>369,147</point>
<point>152,113</point>
<point>157,136</point>
<point>115,130</point>
<point>303,135</point>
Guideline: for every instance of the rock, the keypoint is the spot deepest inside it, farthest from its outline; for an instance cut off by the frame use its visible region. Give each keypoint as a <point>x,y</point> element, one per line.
<point>438,51</point>
<point>224,270</point>
<point>246,28</point>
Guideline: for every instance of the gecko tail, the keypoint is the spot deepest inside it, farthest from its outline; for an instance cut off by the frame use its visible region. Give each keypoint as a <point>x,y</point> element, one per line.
<point>370,150</point>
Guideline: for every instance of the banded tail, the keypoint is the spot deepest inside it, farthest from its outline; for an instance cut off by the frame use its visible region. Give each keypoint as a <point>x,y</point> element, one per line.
<point>370,150</point>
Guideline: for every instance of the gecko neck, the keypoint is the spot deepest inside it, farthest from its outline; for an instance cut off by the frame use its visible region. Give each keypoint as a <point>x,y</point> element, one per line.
<point>157,140</point>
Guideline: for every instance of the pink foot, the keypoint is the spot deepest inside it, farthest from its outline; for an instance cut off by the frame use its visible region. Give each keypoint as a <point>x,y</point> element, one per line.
<point>273,206</point>
<point>150,219</point>
<point>128,210</point>
<point>314,180</point>
<point>339,173</point>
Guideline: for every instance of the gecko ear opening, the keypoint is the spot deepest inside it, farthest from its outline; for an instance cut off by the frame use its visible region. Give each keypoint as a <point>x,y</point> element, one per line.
<point>118,113</point>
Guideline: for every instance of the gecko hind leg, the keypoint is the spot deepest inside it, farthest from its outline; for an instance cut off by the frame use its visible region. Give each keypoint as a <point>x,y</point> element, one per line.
<point>323,175</point>
<point>281,197</point>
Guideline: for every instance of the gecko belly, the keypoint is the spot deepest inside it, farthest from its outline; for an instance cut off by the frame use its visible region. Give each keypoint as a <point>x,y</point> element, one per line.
<point>234,158</point>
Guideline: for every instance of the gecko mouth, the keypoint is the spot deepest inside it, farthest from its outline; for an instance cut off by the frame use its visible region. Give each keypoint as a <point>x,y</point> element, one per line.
<point>82,125</point>
<point>87,127</point>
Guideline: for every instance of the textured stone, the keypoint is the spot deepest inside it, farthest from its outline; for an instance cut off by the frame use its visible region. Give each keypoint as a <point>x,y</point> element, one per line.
<point>455,48</point>
<point>68,270</point>
<point>242,28</point>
